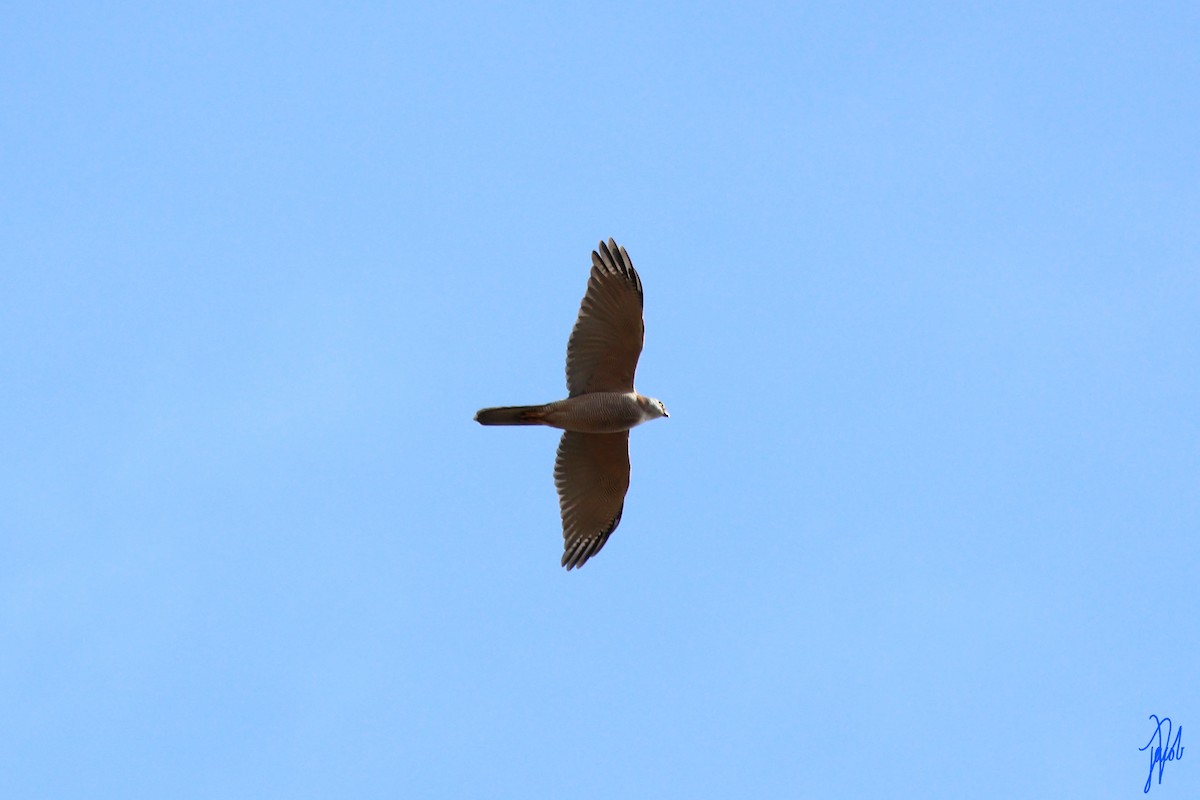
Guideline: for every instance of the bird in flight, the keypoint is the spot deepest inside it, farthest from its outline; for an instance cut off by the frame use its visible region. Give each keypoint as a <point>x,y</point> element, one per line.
<point>591,471</point>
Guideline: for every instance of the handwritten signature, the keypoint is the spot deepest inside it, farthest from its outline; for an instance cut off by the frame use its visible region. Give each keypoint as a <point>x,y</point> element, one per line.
<point>1158,756</point>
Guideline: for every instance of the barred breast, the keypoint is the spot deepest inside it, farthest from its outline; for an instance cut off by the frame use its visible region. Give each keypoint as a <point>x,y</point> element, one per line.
<point>596,412</point>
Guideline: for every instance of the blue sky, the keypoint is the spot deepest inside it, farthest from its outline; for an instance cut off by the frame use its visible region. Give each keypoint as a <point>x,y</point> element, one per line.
<point>922,296</point>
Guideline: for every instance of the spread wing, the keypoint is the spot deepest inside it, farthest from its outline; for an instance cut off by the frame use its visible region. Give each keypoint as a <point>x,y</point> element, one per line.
<point>591,473</point>
<point>603,350</point>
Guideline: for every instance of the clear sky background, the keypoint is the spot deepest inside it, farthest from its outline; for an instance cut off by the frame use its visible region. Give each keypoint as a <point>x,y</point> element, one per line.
<point>922,296</point>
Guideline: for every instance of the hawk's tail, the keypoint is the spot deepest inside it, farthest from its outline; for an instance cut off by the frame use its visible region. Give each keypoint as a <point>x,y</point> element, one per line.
<point>511,415</point>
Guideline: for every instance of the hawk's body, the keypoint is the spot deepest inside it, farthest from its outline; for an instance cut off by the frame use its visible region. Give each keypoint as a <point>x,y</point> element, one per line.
<point>591,471</point>
<point>594,412</point>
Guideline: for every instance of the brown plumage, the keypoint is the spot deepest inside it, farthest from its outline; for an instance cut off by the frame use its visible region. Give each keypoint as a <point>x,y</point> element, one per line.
<point>510,415</point>
<point>591,471</point>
